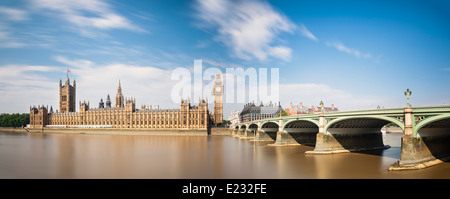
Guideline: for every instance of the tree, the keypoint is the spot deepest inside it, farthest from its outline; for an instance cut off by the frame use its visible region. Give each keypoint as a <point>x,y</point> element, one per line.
<point>226,122</point>
<point>282,114</point>
<point>14,120</point>
<point>392,124</point>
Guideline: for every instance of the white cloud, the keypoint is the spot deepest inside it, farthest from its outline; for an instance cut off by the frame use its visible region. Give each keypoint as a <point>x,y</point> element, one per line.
<point>341,47</point>
<point>307,33</point>
<point>23,75</point>
<point>249,28</point>
<point>25,85</point>
<point>281,52</point>
<point>87,15</point>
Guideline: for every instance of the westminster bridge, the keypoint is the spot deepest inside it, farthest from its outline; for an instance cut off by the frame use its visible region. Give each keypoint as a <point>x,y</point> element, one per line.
<point>425,140</point>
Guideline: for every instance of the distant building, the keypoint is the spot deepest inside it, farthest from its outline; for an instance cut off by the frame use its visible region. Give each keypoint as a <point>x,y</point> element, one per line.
<point>124,114</point>
<point>300,109</point>
<point>234,117</point>
<point>252,112</point>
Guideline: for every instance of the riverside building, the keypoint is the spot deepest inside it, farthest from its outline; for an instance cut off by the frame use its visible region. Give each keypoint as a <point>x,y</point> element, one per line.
<point>124,113</point>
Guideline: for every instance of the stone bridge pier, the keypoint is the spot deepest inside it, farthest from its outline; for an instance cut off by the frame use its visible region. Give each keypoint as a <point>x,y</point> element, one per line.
<point>235,131</point>
<point>283,137</point>
<point>426,140</point>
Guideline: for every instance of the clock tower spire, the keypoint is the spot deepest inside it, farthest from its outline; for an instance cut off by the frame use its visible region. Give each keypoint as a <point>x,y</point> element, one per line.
<point>218,98</point>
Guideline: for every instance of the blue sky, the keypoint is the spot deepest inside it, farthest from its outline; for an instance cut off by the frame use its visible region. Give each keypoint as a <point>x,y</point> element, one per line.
<point>354,54</point>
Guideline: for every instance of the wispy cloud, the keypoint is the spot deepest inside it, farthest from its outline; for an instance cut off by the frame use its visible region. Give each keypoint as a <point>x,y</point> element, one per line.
<point>341,47</point>
<point>87,15</point>
<point>20,85</point>
<point>8,38</point>
<point>25,85</point>
<point>305,32</point>
<point>13,14</point>
<point>249,28</point>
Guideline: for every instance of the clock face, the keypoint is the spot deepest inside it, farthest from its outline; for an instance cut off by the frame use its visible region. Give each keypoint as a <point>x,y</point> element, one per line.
<point>218,89</point>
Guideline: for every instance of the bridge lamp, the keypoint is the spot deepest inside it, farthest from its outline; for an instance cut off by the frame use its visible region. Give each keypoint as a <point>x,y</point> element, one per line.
<point>408,94</point>
<point>321,105</point>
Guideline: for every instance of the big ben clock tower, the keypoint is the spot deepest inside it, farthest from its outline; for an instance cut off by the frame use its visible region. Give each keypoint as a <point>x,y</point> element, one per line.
<point>218,98</point>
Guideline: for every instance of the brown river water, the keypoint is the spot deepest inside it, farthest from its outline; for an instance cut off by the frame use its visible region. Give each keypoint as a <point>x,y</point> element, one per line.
<point>70,156</point>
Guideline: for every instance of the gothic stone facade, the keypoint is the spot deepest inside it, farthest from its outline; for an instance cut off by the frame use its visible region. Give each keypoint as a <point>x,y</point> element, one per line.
<point>123,115</point>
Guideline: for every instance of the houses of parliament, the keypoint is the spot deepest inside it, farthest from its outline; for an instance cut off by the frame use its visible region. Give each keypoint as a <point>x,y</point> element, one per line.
<point>124,113</point>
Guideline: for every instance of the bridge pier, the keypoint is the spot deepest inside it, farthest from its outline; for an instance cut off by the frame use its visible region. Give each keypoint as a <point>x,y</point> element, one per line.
<point>239,133</point>
<point>233,132</point>
<point>425,145</point>
<point>262,136</point>
<point>327,143</point>
<point>248,134</point>
<point>284,138</point>
<point>422,151</point>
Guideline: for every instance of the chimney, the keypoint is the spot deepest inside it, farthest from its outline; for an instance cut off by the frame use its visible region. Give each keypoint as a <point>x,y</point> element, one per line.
<point>332,106</point>
<point>301,105</point>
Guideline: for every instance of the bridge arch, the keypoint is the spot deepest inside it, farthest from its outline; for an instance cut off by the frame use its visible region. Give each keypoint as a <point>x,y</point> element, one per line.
<point>243,127</point>
<point>253,127</point>
<point>301,131</point>
<point>382,119</point>
<point>353,133</point>
<point>441,121</point>
<point>291,123</point>
<point>270,128</point>
<point>269,124</point>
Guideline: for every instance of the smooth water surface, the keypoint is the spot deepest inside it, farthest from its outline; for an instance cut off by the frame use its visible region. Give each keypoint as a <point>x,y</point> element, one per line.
<point>127,156</point>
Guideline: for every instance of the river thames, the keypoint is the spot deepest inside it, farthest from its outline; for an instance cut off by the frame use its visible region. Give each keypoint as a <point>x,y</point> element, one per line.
<point>84,156</point>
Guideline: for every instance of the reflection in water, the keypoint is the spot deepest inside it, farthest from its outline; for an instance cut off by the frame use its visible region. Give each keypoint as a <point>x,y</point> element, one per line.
<point>125,156</point>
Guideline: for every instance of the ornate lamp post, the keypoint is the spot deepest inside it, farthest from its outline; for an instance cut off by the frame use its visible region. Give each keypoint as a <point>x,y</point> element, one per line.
<point>408,94</point>
<point>321,105</point>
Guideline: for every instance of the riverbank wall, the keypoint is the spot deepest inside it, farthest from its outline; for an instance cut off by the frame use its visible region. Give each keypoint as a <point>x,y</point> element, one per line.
<point>118,131</point>
<point>115,131</point>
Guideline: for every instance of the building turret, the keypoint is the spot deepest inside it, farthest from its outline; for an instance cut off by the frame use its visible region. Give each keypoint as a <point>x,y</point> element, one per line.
<point>84,106</point>
<point>119,98</point>
<point>101,104</point>
<point>67,96</point>
<point>131,104</point>
<point>108,102</point>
